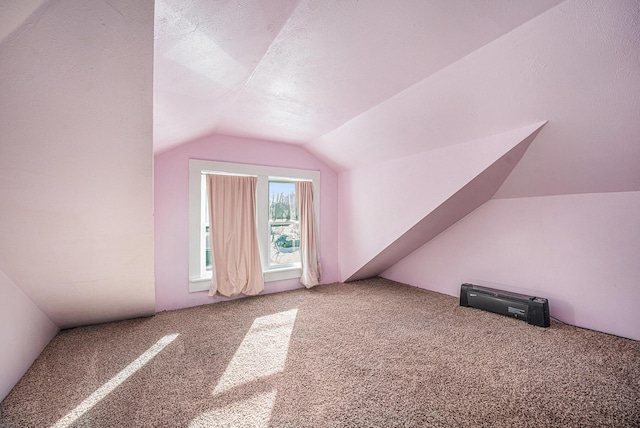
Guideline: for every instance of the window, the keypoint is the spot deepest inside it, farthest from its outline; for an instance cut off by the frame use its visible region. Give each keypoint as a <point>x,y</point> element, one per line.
<point>284,230</point>
<point>277,219</point>
<point>204,227</point>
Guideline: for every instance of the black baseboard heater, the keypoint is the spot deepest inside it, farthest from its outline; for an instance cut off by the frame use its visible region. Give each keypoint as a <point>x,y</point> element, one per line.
<point>534,310</point>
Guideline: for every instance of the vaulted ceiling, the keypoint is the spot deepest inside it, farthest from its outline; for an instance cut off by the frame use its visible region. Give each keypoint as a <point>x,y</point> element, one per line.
<point>295,70</point>
<point>360,82</point>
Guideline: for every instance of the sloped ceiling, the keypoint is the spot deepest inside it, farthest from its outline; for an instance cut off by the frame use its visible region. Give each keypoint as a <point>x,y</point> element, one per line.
<point>359,82</point>
<point>13,13</point>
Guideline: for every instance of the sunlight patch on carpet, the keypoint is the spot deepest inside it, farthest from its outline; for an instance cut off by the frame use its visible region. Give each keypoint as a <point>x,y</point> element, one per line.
<point>263,351</point>
<point>253,412</point>
<point>114,382</point>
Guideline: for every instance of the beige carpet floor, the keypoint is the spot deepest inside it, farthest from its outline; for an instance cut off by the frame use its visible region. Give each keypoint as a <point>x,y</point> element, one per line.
<point>373,353</point>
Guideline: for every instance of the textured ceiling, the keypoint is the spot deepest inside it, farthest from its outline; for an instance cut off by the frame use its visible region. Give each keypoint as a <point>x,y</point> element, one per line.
<point>359,82</point>
<point>294,71</point>
<point>13,13</point>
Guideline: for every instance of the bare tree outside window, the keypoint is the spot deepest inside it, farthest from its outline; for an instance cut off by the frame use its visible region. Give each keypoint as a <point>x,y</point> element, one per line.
<point>284,235</point>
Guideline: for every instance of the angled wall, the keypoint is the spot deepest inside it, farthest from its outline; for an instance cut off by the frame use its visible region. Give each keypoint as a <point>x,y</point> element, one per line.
<point>580,251</point>
<point>390,209</point>
<point>76,159</point>
<point>24,331</point>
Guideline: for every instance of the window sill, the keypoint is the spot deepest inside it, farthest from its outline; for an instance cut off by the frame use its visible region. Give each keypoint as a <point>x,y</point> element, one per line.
<point>197,285</point>
<point>282,273</point>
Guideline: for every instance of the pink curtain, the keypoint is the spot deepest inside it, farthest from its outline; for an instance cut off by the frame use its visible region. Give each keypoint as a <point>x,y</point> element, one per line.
<point>233,235</point>
<point>310,259</point>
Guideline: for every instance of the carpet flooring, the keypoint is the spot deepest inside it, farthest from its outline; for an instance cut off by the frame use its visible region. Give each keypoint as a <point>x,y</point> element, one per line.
<point>373,353</point>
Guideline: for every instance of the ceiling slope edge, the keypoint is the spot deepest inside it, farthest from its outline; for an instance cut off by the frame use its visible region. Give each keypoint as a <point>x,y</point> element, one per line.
<point>469,192</point>
<point>17,14</point>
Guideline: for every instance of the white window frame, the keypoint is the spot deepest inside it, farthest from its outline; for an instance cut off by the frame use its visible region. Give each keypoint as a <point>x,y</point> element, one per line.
<point>270,264</point>
<point>199,277</point>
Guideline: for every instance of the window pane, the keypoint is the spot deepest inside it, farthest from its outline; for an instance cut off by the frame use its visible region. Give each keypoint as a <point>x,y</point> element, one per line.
<point>207,250</point>
<point>205,220</point>
<point>284,236</point>
<point>284,247</point>
<point>282,201</point>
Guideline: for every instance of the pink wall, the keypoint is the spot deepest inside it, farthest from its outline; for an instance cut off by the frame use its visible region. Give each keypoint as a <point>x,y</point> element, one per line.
<point>24,330</point>
<point>172,206</point>
<point>580,251</point>
<point>76,160</point>
<point>75,170</point>
<point>381,203</point>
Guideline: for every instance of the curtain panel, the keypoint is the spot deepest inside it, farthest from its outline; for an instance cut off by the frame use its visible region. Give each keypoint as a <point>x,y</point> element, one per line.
<point>233,235</point>
<point>309,256</point>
